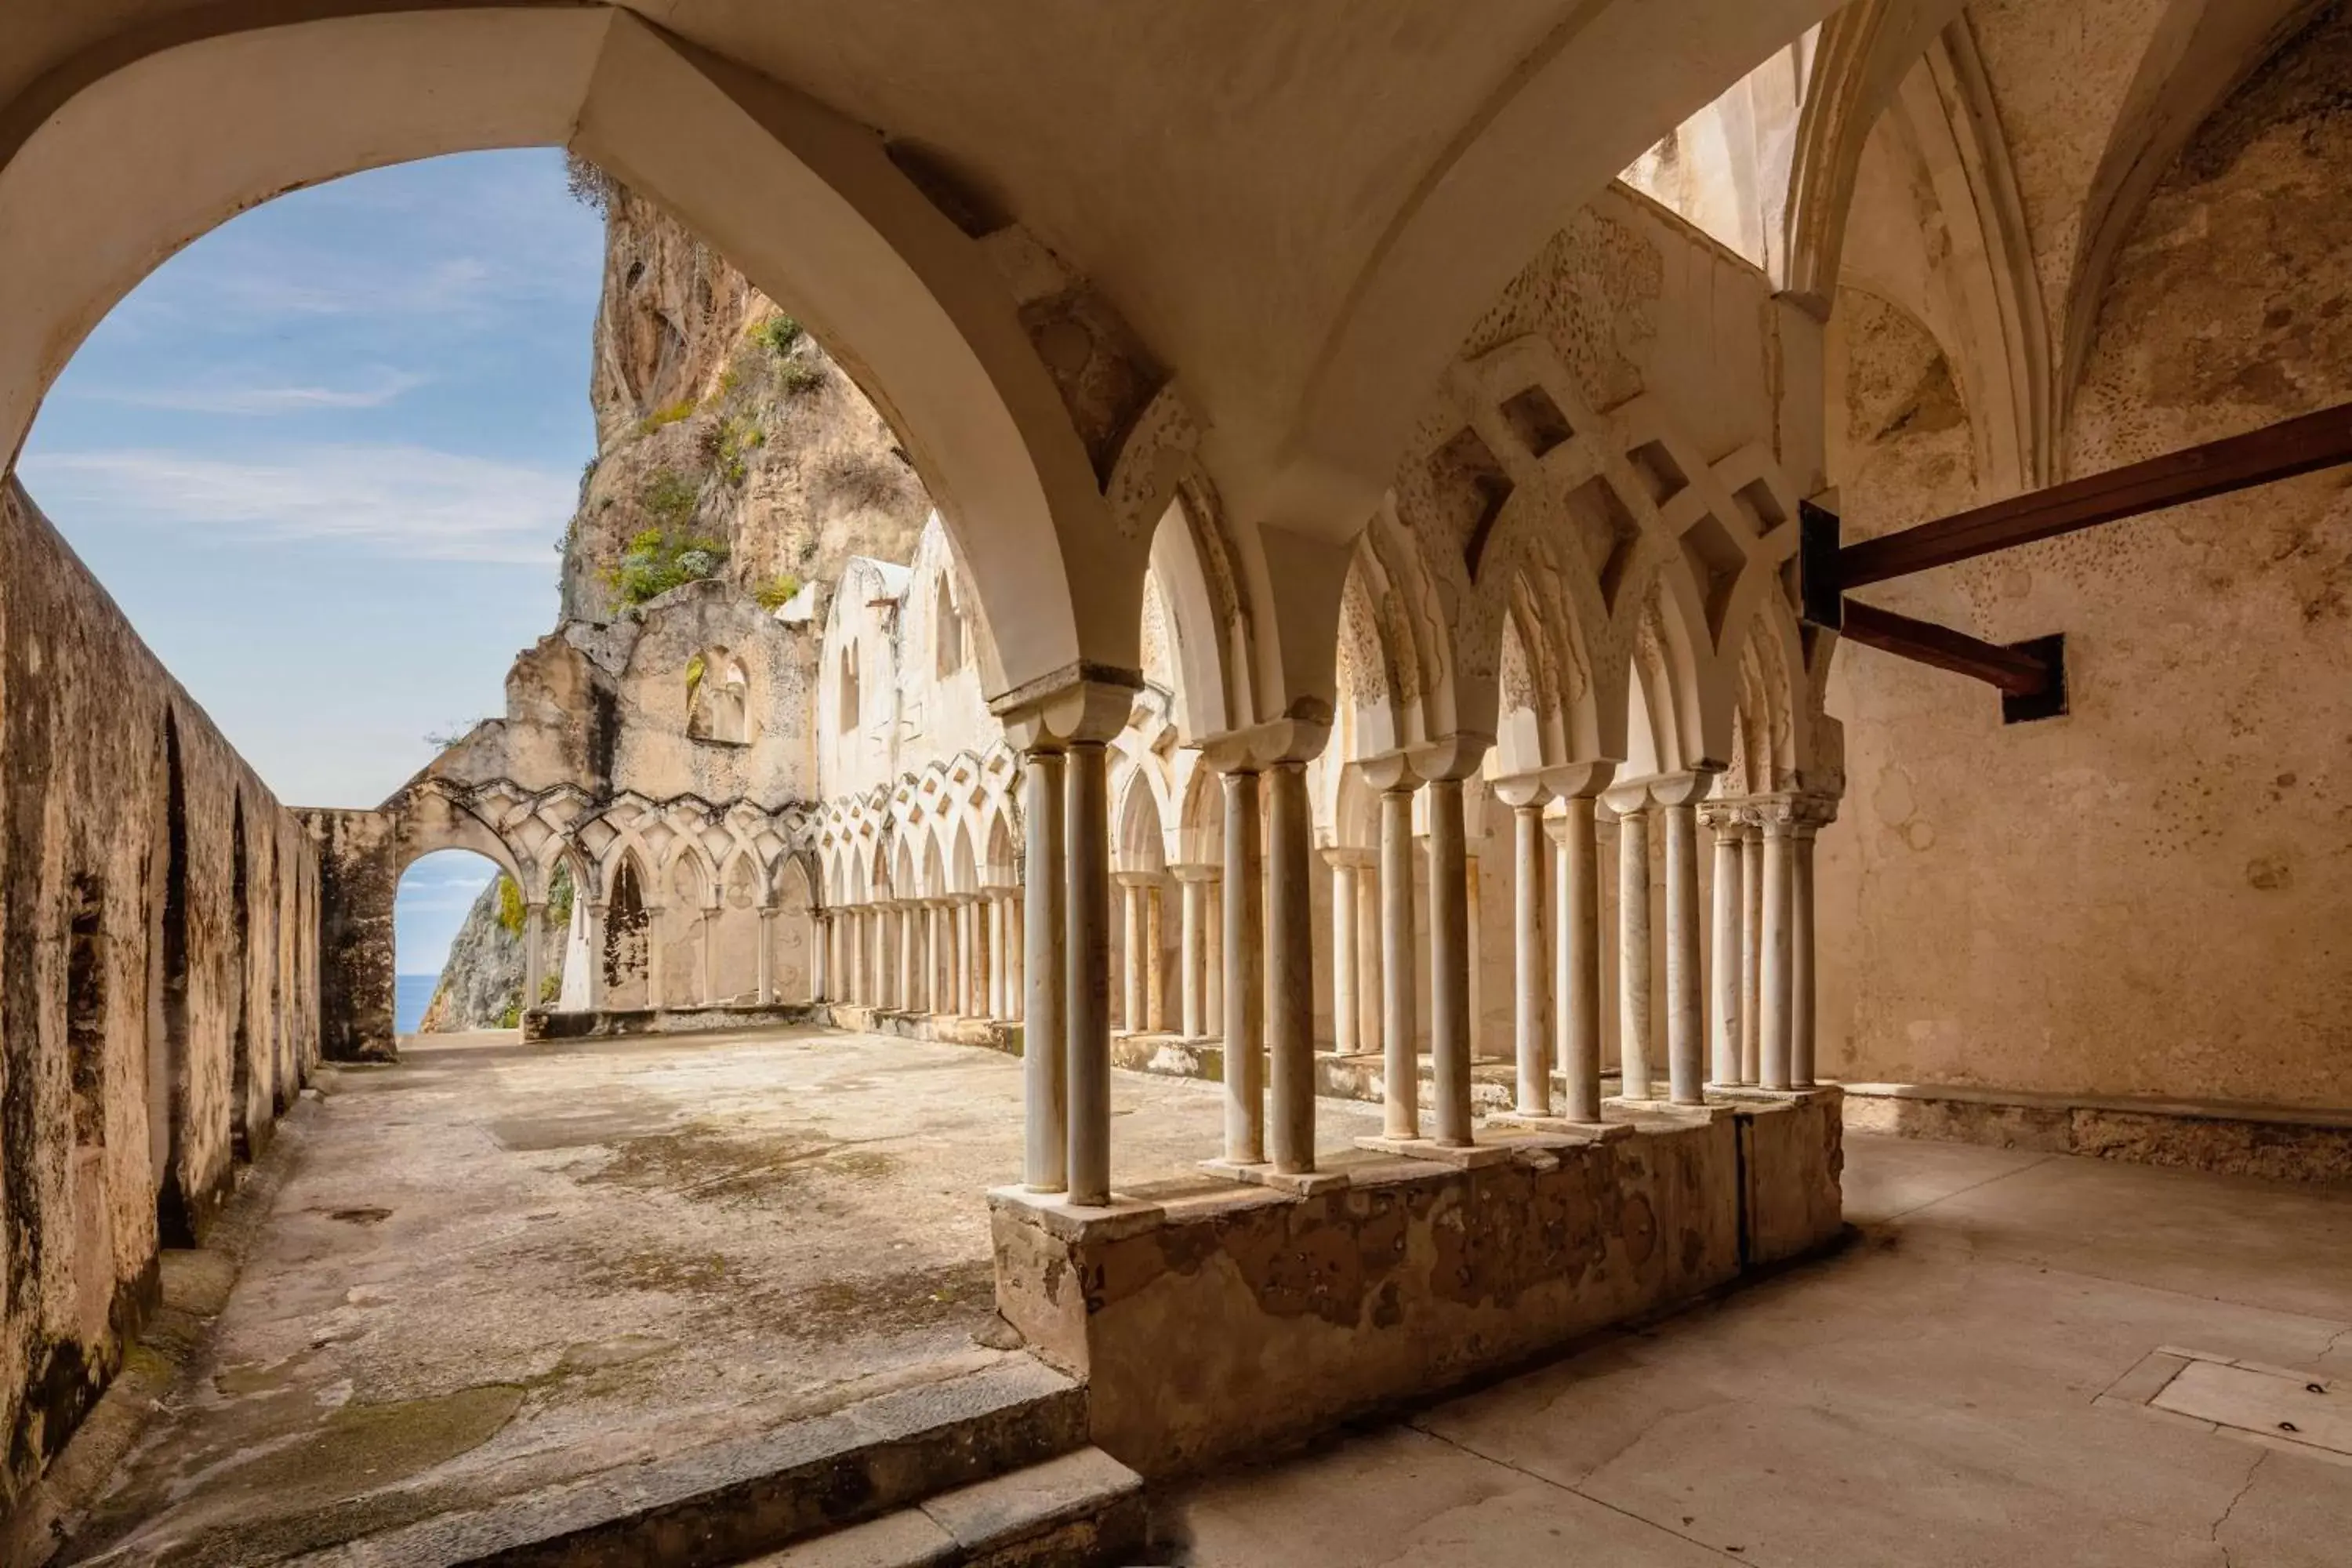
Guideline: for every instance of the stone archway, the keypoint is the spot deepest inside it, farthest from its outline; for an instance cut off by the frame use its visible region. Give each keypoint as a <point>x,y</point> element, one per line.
<point>362,856</point>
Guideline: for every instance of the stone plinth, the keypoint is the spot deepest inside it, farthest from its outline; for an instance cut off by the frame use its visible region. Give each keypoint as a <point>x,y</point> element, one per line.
<point>1212,1325</point>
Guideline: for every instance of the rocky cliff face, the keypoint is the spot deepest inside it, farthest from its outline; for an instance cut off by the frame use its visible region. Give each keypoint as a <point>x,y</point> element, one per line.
<point>481,985</point>
<point>727,443</point>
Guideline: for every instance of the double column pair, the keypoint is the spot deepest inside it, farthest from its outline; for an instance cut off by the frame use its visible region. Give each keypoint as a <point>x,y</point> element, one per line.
<point>1269,948</point>
<point>1672,800</point>
<point>1438,770</point>
<point>1065,959</point>
<point>1763,994</point>
<point>1146,1006</point>
<point>1574,1036</point>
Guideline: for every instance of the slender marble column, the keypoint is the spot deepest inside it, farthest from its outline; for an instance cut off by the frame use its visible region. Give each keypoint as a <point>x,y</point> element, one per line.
<point>820,960</point>
<point>1577,941</point>
<point>1131,1012</point>
<point>596,933</point>
<point>869,955</point>
<point>979,956</point>
<point>1400,1060</point>
<point>1088,964</point>
<point>908,949</point>
<point>534,961</point>
<point>1633,1013</point>
<point>1290,1005</point>
<point>1245,989</point>
<point>764,970</point>
<point>1685,1013</point>
<point>1343,952</point>
<point>710,956</point>
<point>1155,985</point>
<point>1216,961</point>
<point>1779,979</point>
<point>1729,939</point>
<point>1527,957</point>
<point>845,932</point>
<point>996,906</point>
<point>1016,962</point>
<point>1194,983</point>
<point>1800,958</point>
<point>967,954</point>
<point>1751,950</point>
<point>1449,963</point>
<point>1045,886</point>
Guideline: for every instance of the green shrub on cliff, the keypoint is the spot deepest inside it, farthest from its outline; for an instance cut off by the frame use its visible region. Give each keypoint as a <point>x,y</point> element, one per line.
<point>658,561</point>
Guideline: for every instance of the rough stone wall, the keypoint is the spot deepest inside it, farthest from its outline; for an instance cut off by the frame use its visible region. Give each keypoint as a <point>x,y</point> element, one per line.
<point>2154,889</point>
<point>697,395</point>
<point>481,984</point>
<point>1293,1315</point>
<point>148,1034</point>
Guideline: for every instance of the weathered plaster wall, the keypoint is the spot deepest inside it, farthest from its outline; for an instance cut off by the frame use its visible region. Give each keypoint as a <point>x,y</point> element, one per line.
<point>2150,896</point>
<point>1230,1322</point>
<point>159,1005</point>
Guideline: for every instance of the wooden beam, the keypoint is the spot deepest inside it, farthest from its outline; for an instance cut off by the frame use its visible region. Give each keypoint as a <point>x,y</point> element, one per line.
<point>2281,451</point>
<point>2019,674</point>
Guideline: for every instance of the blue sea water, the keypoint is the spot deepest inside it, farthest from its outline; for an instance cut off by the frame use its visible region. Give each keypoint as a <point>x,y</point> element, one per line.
<point>410,994</point>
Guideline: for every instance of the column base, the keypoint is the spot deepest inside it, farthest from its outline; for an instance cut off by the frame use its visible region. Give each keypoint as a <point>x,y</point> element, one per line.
<point>1058,1217</point>
<point>1297,1184</point>
<point>1461,1156</point>
<point>1668,1110</point>
<point>1562,1127</point>
<point>1749,1091</point>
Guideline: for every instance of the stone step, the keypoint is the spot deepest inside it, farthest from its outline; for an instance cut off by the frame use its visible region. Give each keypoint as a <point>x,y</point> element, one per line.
<point>709,1507</point>
<point>1083,1508</point>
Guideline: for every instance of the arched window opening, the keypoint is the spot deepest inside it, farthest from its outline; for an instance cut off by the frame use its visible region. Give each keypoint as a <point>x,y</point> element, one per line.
<point>458,929</point>
<point>628,940</point>
<point>948,630</point>
<point>848,701</point>
<point>717,698</point>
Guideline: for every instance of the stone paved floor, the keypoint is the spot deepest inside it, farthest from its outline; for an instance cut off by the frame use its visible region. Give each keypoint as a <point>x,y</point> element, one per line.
<point>495,1267</point>
<point>1923,1397</point>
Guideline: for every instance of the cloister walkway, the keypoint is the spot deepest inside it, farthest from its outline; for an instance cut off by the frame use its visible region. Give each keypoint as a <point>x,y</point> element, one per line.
<point>1967,1384</point>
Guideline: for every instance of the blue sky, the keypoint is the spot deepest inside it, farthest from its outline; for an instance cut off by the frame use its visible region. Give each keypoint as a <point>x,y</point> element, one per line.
<point>322,456</point>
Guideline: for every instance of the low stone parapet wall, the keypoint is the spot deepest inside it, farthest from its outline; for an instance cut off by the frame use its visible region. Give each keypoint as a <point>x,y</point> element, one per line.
<point>608,1023</point>
<point>989,1033</point>
<point>1214,1322</point>
<point>2283,1143</point>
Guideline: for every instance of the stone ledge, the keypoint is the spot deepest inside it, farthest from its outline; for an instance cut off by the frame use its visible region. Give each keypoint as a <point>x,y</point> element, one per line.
<point>2279,1142</point>
<point>613,1023</point>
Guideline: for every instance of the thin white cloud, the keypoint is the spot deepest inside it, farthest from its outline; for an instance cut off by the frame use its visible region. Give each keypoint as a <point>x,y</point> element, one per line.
<point>396,500</point>
<point>263,400</point>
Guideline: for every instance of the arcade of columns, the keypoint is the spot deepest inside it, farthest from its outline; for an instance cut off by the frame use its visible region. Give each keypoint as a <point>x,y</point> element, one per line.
<point>1736,1009</point>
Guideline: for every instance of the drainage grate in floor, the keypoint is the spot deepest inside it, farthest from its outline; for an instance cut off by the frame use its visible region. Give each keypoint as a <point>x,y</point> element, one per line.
<point>2277,1403</point>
